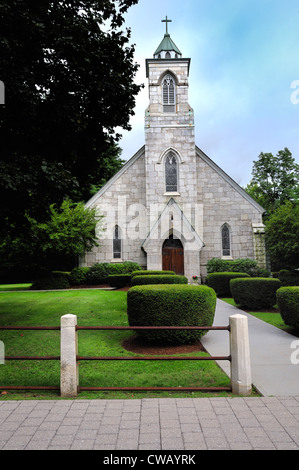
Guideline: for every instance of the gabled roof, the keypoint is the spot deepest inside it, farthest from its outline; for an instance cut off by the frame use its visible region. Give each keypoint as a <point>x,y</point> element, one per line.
<point>114,178</point>
<point>229,180</point>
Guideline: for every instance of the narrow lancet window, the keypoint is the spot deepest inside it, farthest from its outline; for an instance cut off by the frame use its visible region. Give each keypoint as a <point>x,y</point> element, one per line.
<point>116,243</point>
<point>168,91</point>
<point>171,173</point>
<point>225,233</point>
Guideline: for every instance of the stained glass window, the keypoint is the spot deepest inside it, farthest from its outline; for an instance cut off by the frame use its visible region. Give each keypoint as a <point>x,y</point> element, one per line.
<point>116,243</point>
<point>168,89</point>
<point>225,241</point>
<point>171,173</point>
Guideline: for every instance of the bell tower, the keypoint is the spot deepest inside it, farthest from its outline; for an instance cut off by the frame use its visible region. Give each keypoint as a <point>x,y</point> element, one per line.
<point>170,155</point>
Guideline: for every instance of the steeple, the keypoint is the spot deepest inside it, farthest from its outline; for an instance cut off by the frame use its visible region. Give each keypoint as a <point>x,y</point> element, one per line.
<point>167,48</point>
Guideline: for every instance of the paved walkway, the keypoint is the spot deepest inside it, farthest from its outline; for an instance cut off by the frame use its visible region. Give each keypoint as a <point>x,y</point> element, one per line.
<point>184,425</point>
<point>273,373</point>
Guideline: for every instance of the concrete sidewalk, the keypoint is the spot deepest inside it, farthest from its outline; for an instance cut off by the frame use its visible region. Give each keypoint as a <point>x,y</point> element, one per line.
<point>172,424</point>
<point>273,373</point>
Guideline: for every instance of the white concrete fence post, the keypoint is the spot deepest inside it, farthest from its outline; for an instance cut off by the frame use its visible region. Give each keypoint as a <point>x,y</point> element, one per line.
<point>69,378</point>
<point>240,355</point>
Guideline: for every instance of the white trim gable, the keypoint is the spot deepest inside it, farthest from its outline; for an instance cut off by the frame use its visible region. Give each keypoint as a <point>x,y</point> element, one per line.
<point>180,227</point>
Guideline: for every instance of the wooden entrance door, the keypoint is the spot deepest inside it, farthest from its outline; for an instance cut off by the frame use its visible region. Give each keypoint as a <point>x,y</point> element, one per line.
<point>173,256</point>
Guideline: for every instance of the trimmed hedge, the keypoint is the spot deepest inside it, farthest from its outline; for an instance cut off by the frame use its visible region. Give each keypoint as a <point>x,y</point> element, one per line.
<point>288,303</point>
<point>150,273</point>
<point>54,281</point>
<point>255,293</point>
<point>119,280</point>
<point>158,279</point>
<point>241,265</point>
<point>171,305</point>
<point>99,272</point>
<point>220,282</point>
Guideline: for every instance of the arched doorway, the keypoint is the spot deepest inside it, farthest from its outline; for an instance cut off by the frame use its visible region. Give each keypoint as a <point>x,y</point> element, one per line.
<point>173,255</point>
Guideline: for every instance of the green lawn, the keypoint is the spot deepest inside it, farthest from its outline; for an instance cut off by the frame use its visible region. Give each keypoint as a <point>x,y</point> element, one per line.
<point>14,287</point>
<point>93,308</point>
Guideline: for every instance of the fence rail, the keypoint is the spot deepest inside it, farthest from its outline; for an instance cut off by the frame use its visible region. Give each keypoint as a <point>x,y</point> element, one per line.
<point>69,377</point>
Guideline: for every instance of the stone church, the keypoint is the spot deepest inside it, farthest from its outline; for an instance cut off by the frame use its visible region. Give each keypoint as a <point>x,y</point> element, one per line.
<point>170,206</point>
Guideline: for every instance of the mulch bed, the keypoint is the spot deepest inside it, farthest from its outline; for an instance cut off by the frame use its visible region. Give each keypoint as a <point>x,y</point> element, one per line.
<point>139,346</point>
<point>100,286</point>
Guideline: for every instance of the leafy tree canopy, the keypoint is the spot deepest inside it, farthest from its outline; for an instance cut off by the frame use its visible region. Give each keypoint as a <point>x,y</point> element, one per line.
<point>282,237</point>
<point>69,74</point>
<point>275,180</point>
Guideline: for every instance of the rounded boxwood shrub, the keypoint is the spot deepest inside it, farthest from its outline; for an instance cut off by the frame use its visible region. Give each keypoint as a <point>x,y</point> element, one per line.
<point>255,293</point>
<point>171,305</point>
<point>288,303</point>
<point>220,282</point>
<point>150,273</point>
<point>158,279</point>
<point>119,280</point>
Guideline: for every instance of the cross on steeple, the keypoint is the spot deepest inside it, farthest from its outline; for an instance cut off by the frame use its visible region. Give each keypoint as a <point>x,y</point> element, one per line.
<point>166,21</point>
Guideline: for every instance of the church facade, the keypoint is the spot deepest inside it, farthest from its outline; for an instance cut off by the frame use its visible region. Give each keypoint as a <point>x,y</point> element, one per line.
<point>170,206</point>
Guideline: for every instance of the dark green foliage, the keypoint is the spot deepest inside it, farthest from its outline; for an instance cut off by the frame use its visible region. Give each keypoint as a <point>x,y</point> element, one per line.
<point>54,281</point>
<point>255,293</point>
<point>99,272</point>
<point>288,303</point>
<point>282,237</point>
<point>119,280</point>
<point>78,276</point>
<point>150,273</point>
<point>220,282</point>
<point>171,305</point>
<point>288,278</point>
<point>158,279</point>
<point>240,265</point>
<point>127,267</point>
<point>69,74</point>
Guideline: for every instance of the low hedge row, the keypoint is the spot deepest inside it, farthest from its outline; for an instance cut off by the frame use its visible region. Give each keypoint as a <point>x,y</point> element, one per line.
<point>220,282</point>
<point>241,265</point>
<point>119,280</point>
<point>55,280</point>
<point>171,305</point>
<point>158,279</point>
<point>151,273</point>
<point>254,293</point>
<point>288,303</point>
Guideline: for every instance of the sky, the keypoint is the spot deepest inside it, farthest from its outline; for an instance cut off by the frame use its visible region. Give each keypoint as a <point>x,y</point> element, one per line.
<point>244,75</point>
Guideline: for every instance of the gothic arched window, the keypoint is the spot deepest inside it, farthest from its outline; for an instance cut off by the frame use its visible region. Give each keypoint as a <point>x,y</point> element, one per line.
<point>171,173</point>
<point>168,92</point>
<point>116,242</point>
<point>225,235</point>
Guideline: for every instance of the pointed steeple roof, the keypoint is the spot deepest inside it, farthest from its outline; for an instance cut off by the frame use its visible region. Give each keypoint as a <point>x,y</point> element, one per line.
<point>167,45</point>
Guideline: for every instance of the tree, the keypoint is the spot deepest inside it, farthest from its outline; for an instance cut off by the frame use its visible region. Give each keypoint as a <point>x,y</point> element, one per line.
<point>275,180</point>
<point>69,76</point>
<point>282,237</point>
<point>69,72</point>
<point>69,231</point>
